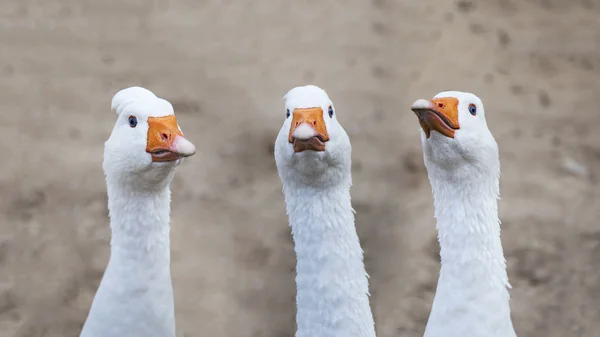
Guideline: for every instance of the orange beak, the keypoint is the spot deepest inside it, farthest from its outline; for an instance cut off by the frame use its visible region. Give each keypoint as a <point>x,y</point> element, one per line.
<point>166,141</point>
<point>439,114</point>
<point>308,130</point>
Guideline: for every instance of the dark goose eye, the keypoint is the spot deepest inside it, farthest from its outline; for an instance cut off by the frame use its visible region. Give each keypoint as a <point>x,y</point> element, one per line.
<point>473,109</point>
<point>330,112</point>
<point>132,121</point>
<point>287,113</point>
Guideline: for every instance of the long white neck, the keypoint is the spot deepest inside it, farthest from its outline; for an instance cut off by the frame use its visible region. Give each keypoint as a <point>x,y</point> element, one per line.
<point>135,297</point>
<point>332,287</point>
<point>472,296</point>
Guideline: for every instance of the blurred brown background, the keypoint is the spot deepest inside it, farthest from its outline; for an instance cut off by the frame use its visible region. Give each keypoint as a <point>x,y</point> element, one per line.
<point>225,65</point>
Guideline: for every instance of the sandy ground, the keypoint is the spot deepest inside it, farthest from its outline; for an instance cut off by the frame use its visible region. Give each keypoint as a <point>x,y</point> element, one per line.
<point>225,65</point>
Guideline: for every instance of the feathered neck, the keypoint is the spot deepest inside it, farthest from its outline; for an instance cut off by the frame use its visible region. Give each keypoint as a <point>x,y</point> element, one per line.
<point>135,296</point>
<point>139,220</point>
<point>472,296</point>
<point>332,286</point>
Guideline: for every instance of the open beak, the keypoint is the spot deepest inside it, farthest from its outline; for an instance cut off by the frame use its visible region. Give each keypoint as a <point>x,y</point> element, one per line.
<point>308,130</point>
<point>439,114</point>
<point>166,141</point>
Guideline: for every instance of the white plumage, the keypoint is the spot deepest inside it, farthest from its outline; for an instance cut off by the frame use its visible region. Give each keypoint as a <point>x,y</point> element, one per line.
<point>472,298</point>
<point>332,286</point>
<point>135,297</point>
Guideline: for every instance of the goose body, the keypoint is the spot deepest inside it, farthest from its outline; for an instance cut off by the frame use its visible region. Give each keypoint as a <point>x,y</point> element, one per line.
<point>462,161</point>
<point>313,156</point>
<point>135,296</point>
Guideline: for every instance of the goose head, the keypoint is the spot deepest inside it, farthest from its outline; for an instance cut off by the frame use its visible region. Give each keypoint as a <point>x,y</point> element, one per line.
<point>146,143</point>
<point>454,132</point>
<point>312,147</point>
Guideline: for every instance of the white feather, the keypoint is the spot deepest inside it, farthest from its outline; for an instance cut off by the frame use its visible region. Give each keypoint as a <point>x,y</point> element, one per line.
<point>135,296</point>
<point>332,286</point>
<point>472,298</point>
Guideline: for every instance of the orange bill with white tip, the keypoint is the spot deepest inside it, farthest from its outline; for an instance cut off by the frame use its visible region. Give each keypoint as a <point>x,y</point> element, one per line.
<point>166,141</point>
<point>439,114</point>
<point>308,130</point>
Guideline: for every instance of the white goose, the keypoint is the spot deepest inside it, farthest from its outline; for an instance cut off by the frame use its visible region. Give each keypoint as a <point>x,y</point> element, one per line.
<point>135,297</point>
<point>313,156</point>
<point>462,161</point>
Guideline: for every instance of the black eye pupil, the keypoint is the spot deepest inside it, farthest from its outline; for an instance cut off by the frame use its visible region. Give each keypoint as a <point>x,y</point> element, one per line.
<point>132,121</point>
<point>287,113</point>
<point>330,112</point>
<point>472,109</point>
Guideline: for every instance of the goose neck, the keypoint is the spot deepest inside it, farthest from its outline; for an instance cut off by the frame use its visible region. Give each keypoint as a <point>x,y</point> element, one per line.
<point>332,286</point>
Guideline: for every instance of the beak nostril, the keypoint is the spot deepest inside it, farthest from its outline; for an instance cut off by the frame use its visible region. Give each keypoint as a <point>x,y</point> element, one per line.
<point>314,123</point>
<point>441,105</point>
<point>164,136</point>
